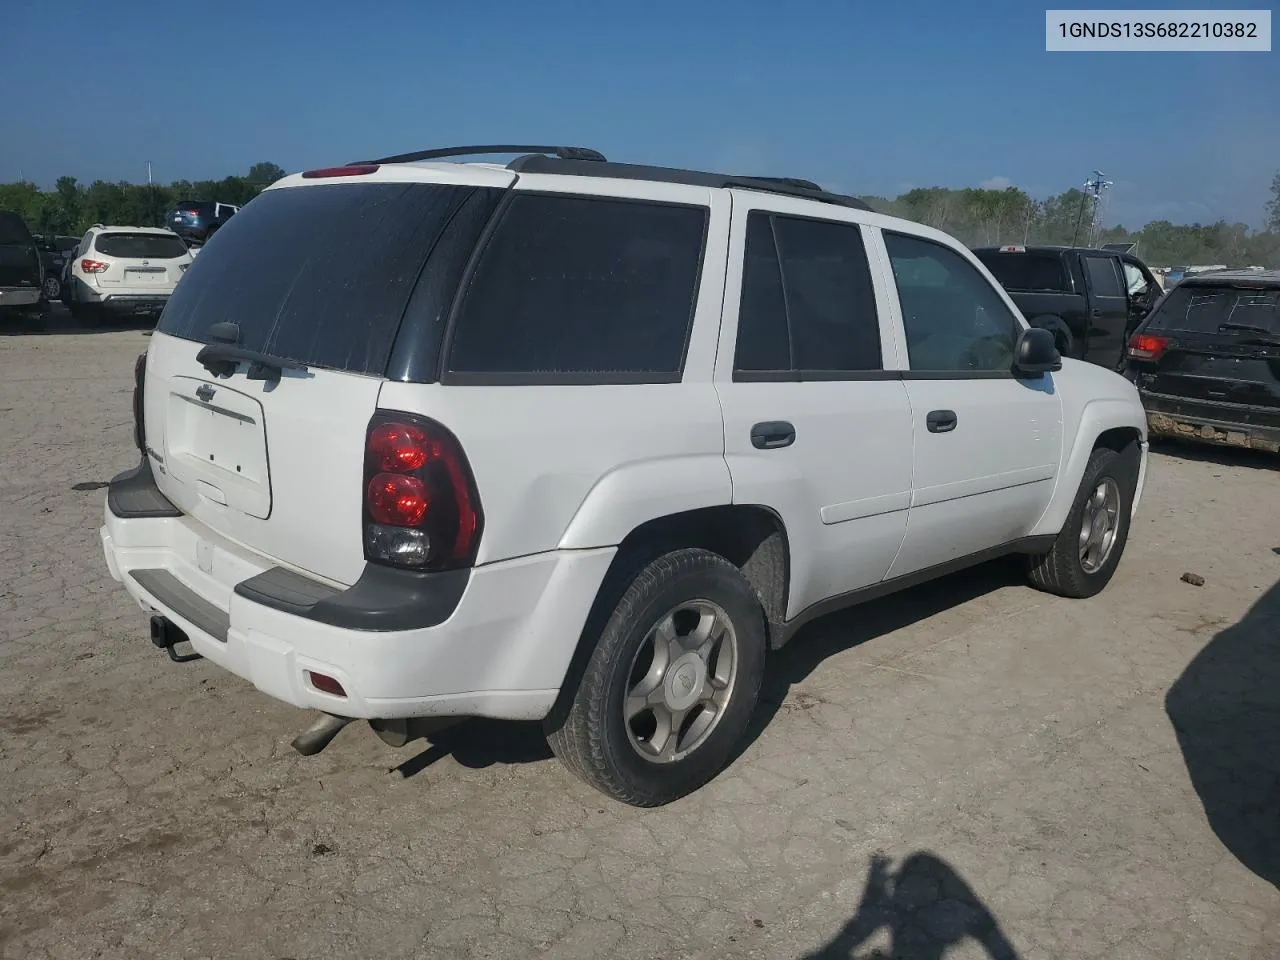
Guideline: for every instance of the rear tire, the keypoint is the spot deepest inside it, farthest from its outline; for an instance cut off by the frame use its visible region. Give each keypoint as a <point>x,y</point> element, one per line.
<point>1085,555</point>
<point>671,685</point>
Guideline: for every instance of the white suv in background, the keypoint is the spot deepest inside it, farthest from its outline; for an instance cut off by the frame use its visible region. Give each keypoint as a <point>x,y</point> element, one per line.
<point>580,442</point>
<point>124,271</point>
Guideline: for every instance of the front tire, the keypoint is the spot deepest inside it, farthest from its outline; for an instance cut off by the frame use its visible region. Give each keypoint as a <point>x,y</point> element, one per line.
<point>670,687</point>
<point>1087,551</point>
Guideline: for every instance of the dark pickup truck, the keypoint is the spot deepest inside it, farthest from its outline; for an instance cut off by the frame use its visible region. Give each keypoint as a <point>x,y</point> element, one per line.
<point>1091,299</point>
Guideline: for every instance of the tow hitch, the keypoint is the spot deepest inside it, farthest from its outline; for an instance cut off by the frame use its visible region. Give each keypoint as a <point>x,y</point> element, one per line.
<point>166,635</point>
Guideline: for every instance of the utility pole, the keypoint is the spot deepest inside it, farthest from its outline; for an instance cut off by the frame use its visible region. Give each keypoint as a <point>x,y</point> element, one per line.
<point>1094,188</point>
<point>151,197</point>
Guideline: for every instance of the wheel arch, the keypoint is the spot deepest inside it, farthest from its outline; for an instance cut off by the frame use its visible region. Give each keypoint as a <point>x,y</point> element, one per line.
<point>1110,423</point>
<point>752,537</point>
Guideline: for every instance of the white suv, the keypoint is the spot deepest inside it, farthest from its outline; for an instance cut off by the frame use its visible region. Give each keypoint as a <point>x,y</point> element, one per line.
<point>124,271</point>
<point>580,442</point>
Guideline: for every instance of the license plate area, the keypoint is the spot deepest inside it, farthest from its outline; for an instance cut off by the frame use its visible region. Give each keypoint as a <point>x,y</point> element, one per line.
<point>145,275</point>
<point>216,443</point>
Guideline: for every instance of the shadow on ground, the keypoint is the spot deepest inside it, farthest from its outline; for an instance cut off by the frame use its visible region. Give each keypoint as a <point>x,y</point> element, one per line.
<point>924,908</point>
<point>1213,453</point>
<point>56,320</point>
<point>1225,709</point>
<point>478,744</point>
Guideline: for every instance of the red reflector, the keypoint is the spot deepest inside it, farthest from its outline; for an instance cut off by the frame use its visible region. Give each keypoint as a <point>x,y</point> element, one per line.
<point>399,448</point>
<point>356,171</point>
<point>397,500</point>
<point>1147,346</point>
<point>92,266</point>
<point>325,684</point>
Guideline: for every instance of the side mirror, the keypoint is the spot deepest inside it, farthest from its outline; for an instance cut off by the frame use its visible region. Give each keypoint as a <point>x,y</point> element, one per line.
<point>1036,353</point>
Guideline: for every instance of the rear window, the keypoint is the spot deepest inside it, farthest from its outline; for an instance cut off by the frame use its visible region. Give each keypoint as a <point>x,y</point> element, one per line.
<point>1027,272</point>
<point>319,274</point>
<point>578,288</point>
<point>195,206</point>
<point>1199,308</point>
<point>13,229</point>
<point>140,246</point>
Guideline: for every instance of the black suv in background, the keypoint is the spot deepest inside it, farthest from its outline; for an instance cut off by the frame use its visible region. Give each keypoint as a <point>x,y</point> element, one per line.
<point>1207,360</point>
<point>1090,299</point>
<point>21,272</point>
<point>195,221</point>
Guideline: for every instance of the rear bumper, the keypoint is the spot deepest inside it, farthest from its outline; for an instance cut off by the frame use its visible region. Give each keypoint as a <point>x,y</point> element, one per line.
<point>129,302</point>
<point>500,646</point>
<point>19,296</point>
<point>1224,424</point>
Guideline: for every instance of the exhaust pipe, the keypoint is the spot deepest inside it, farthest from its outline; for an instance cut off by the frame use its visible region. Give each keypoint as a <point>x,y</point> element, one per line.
<point>319,735</point>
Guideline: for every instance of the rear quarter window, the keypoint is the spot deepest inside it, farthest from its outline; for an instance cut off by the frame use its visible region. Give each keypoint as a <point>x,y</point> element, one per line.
<point>581,289</point>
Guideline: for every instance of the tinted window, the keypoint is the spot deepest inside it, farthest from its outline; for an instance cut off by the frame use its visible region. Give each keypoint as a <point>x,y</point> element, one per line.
<point>13,229</point>
<point>318,274</point>
<point>1205,309</point>
<point>1103,277</point>
<point>1026,272</point>
<point>954,320</point>
<point>807,299</point>
<point>578,286</point>
<point>763,341</point>
<point>201,207</point>
<point>142,246</point>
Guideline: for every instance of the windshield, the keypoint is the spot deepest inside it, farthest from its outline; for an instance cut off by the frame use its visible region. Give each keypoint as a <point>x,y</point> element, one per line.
<point>1200,308</point>
<point>140,246</point>
<point>1027,272</point>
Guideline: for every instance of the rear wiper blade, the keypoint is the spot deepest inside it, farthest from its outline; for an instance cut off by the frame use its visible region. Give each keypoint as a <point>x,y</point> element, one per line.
<point>223,358</point>
<point>1245,328</point>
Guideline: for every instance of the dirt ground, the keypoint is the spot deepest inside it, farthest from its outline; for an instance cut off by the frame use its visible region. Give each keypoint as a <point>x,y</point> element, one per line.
<point>970,769</point>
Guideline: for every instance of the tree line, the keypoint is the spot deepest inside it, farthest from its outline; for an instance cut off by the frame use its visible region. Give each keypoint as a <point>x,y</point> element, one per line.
<point>1010,216</point>
<point>975,216</point>
<point>70,208</point>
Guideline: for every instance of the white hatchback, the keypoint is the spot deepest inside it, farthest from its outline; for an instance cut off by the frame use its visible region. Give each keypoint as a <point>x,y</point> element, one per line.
<point>124,271</point>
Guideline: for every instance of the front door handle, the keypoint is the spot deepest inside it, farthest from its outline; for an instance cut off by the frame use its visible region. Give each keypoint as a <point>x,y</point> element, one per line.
<point>772,434</point>
<point>941,421</point>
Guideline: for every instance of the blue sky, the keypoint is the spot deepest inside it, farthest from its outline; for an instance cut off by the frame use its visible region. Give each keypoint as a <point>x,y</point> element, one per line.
<point>862,97</point>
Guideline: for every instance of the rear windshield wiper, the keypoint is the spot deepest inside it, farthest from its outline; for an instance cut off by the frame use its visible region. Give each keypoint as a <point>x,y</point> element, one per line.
<point>1246,328</point>
<point>1263,337</point>
<point>223,358</point>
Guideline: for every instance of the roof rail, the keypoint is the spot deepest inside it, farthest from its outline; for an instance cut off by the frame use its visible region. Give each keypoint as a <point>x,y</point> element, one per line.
<point>787,186</point>
<point>564,153</point>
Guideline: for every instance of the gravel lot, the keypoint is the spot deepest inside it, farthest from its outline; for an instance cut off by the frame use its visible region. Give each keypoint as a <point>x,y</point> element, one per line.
<point>970,769</point>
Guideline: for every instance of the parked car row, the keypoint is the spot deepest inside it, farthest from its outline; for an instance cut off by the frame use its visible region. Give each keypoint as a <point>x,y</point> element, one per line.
<point>111,269</point>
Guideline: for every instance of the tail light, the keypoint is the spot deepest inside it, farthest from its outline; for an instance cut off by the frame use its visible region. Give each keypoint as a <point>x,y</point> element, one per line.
<point>93,266</point>
<point>139,425</point>
<point>421,507</point>
<point>1147,346</point>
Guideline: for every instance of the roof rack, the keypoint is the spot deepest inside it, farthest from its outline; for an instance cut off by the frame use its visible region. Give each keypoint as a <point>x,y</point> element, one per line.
<point>563,153</point>
<point>787,186</point>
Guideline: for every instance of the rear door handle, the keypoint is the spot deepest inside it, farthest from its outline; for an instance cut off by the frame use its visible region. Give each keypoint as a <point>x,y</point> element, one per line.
<point>772,434</point>
<point>941,421</point>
